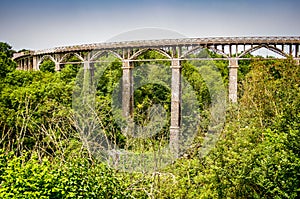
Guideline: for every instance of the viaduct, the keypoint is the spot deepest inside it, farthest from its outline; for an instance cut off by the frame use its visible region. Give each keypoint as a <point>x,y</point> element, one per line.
<point>232,49</point>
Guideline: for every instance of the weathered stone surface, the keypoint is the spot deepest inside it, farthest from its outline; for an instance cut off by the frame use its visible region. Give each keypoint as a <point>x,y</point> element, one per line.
<point>127,89</point>
<point>233,75</point>
<point>175,107</point>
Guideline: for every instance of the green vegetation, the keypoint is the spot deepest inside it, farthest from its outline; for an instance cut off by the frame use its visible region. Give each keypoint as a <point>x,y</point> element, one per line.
<point>42,154</point>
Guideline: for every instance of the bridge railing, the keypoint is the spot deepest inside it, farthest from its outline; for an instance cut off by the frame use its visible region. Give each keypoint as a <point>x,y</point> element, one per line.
<point>21,54</point>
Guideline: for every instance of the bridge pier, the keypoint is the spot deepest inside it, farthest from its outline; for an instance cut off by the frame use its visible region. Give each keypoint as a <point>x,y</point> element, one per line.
<point>26,64</point>
<point>57,66</point>
<point>175,107</point>
<point>127,89</point>
<point>233,75</point>
<point>20,65</point>
<point>35,63</point>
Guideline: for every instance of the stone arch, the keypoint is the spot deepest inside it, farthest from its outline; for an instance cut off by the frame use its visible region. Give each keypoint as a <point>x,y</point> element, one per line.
<point>46,56</point>
<point>272,48</point>
<point>71,53</point>
<point>217,51</point>
<point>101,53</point>
<point>43,58</point>
<point>199,47</point>
<point>160,51</point>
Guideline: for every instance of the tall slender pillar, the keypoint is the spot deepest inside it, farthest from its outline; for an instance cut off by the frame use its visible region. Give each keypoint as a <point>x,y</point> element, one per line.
<point>127,89</point>
<point>233,75</point>
<point>29,63</point>
<point>175,107</point>
<point>26,63</point>
<point>34,63</point>
<point>21,65</point>
<point>18,64</point>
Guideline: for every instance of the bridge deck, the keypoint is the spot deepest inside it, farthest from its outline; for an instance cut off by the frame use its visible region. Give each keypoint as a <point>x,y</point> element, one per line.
<point>214,41</point>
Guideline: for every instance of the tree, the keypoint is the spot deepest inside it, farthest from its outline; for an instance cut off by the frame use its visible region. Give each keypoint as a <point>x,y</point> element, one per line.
<point>6,63</point>
<point>47,66</point>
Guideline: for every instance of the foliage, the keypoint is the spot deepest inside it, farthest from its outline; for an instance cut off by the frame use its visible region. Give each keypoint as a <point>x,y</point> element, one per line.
<point>27,177</point>
<point>6,64</point>
<point>47,66</point>
<point>34,105</point>
<point>43,156</point>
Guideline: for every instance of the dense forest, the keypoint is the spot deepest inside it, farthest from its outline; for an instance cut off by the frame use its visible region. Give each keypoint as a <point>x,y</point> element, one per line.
<point>43,155</point>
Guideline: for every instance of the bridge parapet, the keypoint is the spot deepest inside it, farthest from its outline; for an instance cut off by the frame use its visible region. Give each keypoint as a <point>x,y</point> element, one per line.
<point>219,41</point>
<point>22,54</point>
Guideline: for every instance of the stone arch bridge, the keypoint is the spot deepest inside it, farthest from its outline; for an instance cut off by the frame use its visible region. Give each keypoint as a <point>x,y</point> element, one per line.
<point>232,49</point>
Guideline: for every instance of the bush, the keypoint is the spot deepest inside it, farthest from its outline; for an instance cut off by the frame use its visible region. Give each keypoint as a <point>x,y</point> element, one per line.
<point>28,177</point>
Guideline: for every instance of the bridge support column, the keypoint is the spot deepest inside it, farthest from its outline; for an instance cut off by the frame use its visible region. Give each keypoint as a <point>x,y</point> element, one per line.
<point>127,90</point>
<point>175,107</point>
<point>21,66</point>
<point>26,63</point>
<point>233,75</point>
<point>18,65</point>
<point>57,66</point>
<point>29,63</point>
<point>34,63</point>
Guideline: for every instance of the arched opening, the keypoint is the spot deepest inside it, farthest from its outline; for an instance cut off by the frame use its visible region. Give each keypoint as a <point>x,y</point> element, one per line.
<point>96,56</point>
<point>151,55</point>
<point>107,68</point>
<point>263,51</point>
<point>70,64</point>
<point>47,64</point>
<point>104,73</point>
<point>204,52</point>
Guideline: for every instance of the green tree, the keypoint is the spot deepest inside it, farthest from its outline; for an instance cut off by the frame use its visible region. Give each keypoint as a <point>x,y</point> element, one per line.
<point>6,63</point>
<point>47,66</point>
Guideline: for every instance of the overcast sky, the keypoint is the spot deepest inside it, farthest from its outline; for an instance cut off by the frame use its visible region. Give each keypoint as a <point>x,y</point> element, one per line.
<point>38,24</point>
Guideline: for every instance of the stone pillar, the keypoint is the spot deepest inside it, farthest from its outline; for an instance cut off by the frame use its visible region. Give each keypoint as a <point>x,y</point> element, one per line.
<point>127,89</point>
<point>22,64</point>
<point>86,69</point>
<point>26,63</point>
<point>34,63</point>
<point>233,75</point>
<point>57,66</point>
<point>175,107</point>
<point>18,64</point>
<point>29,63</point>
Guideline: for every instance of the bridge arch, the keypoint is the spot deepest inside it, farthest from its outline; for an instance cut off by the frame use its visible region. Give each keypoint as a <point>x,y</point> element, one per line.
<point>101,53</point>
<point>43,59</point>
<point>69,54</point>
<point>46,57</point>
<point>140,52</point>
<point>271,48</point>
<point>217,51</point>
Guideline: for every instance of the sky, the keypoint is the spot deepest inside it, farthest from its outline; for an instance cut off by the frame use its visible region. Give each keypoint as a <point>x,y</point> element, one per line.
<point>41,24</point>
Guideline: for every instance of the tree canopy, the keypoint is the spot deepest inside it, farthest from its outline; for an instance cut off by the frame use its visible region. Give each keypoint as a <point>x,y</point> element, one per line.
<point>42,155</point>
